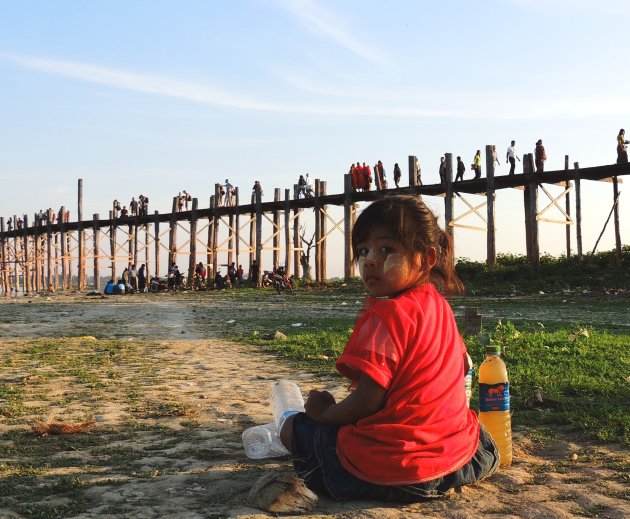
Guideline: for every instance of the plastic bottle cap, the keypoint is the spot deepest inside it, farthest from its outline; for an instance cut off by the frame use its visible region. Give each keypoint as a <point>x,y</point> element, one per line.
<point>493,348</point>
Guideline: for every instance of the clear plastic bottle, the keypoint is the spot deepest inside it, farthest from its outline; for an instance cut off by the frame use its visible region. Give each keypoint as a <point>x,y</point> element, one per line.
<point>494,402</point>
<point>286,399</point>
<point>262,441</point>
<point>468,380</point>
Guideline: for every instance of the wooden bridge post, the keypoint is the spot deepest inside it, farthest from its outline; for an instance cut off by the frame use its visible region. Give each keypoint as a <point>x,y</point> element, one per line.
<point>209,254</point>
<point>288,249</point>
<point>136,225</point>
<point>36,256</point>
<point>130,249</point>
<point>192,258</point>
<point>80,235</point>
<point>252,237</point>
<point>578,209</point>
<point>112,244</point>
<point>156,243</point>
<point>491,249</point>
<point>530,198</point>
<point>26,265</point>
<point>567,206</point>
<point>413,171</point>
<point>230,255</point>
<point>348,222</point>
<point>448,199</point>
<point>64,247</point>
<point>96,231</point>
<point>616,217</point>
<point>172,236</point>
<point>297,243</point>
<point>323,231</point>
<point>237,226</point>
<point>16,275</point>
<point>3,260</point>
<point>258,203</point>
<point>318,233</point>
<point>49,263</point>
<point>276,226</point>
<point>215,232</point>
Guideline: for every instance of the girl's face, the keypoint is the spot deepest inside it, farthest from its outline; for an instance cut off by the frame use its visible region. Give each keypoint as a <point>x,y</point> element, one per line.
<point>388,267</point>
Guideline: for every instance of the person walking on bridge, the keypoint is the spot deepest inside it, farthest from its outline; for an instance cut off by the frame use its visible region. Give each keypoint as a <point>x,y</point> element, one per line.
<point>622,149</point>
<point>511,156</point>
<point>477,164</point>
<point>540,157</point>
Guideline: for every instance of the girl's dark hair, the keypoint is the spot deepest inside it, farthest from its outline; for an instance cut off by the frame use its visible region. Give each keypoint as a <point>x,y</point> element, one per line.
<point>414,225</point>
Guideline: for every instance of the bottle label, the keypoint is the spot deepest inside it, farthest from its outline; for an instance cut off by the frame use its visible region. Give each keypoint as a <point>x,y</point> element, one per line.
<point>494,397</point>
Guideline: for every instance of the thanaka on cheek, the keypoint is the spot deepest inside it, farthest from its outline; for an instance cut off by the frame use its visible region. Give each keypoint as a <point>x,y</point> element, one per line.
<point>361,262</point>
<point>393,261</point>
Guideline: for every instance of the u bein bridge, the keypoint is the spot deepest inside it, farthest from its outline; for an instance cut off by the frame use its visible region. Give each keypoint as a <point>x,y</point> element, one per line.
<point>42,257</point>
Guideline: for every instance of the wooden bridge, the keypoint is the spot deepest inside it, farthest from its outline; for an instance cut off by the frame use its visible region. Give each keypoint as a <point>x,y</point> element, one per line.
<point>43,256</point>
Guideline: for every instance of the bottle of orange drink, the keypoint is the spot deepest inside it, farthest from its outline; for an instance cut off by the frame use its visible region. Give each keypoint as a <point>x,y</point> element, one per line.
<point>494,402</point>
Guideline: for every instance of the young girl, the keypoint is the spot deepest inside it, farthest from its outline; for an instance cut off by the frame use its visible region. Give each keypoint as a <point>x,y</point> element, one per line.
<point>405,431</point>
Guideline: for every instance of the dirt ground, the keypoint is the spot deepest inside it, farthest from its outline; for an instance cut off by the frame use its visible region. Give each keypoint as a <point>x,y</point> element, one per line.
<point>192,465</point>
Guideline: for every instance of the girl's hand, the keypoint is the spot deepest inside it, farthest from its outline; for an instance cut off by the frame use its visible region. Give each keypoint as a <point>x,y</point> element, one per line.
<point>317,403</point>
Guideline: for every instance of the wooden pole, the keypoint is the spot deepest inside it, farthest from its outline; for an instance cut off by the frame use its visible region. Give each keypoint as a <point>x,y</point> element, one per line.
<point>318,235</point>
<point>3,260</point>
<point>491,248</point>
<point>276,227</point>
<point>136,225</point>
<point>567,207</point>
<point>578,209</point>
<point>297,243</point>
<point>530,198</point>
<point>448,199</point>
<point>26,263</point>
<point>64,247</point>
<point>413,171</point>
<point>192,258</point>
<point>49,265</point>
<point>156,242</point>
<point>96,231</point>
<point>252,236</point>
<point>215,232</point>
<point>258,195</point>
<point>81,236</point>
<point>348,208</point>
<point>323,230</point>
<point>211,253</point>
<point>230,257</point>
<point>36,286</point>
<point>237,226</point>
<point>288,249</point>
<point>616,217</point>
<point>112,244</point>
<point>56,269</point>
<point>172,236</point>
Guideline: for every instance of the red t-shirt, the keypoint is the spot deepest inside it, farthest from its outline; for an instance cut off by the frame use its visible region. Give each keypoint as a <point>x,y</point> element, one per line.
<point>410,346</point>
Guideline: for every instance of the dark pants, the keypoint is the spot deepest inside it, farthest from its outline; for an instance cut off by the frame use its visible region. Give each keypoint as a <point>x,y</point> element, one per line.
<point>315,460</point>
<point>477,172</point>
<point>512,165</point>
<point>540,166</point>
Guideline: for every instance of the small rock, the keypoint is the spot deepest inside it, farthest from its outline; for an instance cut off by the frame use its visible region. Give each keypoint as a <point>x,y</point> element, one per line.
<point>282,493</point>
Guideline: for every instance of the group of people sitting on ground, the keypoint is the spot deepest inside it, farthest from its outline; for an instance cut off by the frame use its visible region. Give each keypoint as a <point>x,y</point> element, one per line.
<point>130,281</point>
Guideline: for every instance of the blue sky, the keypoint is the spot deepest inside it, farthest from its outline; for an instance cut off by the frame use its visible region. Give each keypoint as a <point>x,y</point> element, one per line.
<point>158,96</point>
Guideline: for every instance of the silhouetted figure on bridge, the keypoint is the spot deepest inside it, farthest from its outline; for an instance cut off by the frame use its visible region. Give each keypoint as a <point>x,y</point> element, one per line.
<point>540,157</point>
<point>622,149</point>
<point>512,157</point>
<point>460,169</point>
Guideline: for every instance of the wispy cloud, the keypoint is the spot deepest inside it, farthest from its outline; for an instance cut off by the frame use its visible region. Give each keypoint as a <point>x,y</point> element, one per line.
<point>321,22</point>
<point>135,82</point>
<point>376,103</point>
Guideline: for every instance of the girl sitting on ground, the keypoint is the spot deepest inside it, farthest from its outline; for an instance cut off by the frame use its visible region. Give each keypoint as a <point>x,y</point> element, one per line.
<point>405,431</point>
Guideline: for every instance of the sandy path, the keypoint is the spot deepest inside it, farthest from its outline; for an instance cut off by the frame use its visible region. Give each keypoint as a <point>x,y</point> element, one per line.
<point>193,465</point>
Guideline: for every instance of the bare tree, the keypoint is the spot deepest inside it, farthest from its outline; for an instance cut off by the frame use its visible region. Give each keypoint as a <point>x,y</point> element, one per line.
<point>305,258</point>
